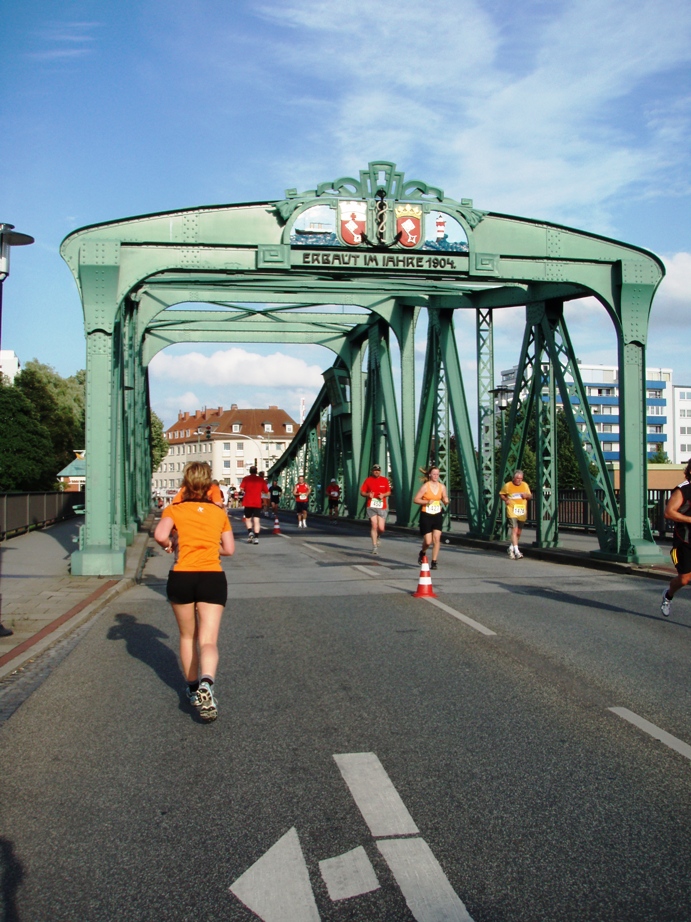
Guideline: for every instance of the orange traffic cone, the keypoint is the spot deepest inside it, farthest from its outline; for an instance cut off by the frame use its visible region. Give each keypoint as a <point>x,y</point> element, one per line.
<point>424,586</point>
<point>277,526</point>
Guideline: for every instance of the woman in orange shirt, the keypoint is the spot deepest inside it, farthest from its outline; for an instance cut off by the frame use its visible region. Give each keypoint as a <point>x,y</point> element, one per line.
<point>197,588</point>
<point>432,496</point>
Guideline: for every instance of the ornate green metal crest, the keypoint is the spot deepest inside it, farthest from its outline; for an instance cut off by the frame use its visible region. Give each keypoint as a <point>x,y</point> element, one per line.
<point>380,210</point>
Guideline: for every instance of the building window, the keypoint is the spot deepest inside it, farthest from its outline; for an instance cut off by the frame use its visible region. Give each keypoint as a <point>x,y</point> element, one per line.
<point>236,427</point>
<point>596,408</point>
<point>240,462</point>
<point>240,446</point>
<point>682,413</point>
<point>654,429</point>
<point>226,446</point>
<point>682,429</point>
<point>607,427</point>
<point>289,427</point>
<point>267,427</point>
<point>226,465</point>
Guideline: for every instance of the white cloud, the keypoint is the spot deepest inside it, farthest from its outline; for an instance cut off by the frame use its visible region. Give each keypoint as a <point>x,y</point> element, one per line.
<point>237,367</point>
<point>557,137</point>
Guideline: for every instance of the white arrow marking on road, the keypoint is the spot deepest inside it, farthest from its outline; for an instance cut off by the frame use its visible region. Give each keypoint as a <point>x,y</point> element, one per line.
<point>277,886</point>
<point>349,875</point>
<point>373,791</point>
<point>426,888</point>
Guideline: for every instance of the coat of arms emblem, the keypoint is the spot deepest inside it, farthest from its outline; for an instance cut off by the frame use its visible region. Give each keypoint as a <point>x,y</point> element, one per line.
<point>352,222</point>
<point>409,225</point>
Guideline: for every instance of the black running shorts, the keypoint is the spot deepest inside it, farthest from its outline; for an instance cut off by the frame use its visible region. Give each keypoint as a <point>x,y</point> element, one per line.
<point>681,557</point>
<point>188,586</point>
<point>253,512</point>
<point>431,522</point>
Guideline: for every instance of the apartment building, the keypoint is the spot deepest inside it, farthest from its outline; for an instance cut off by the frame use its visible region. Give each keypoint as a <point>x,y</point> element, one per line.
<point>601,384</point>
<point>231,441</point>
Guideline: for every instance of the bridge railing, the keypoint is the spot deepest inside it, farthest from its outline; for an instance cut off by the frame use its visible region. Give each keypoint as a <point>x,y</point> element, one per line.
<point>22,511</point>
<point>575,511</point>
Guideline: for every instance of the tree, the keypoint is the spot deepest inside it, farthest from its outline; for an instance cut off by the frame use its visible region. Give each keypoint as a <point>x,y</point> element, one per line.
<point>659,457</point>
<point>59,404</point>
<point>159,445</point>
<point>27,459</point>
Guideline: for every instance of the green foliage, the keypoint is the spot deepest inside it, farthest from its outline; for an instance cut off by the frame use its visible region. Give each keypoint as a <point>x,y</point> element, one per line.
<point>159,445</point>
<point>659,457</point>
<point>27,458</point>
<point>59,404</point>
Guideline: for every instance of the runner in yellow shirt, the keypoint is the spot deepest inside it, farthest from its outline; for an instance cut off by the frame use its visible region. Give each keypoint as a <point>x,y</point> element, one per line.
<point>515,495</point>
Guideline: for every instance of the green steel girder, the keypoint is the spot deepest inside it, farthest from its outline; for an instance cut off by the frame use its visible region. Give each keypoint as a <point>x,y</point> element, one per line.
<point>486,415</point>
<point>129,272</point>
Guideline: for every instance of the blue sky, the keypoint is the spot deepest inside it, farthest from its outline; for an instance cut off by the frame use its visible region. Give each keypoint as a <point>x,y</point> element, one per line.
<point>574,112</point>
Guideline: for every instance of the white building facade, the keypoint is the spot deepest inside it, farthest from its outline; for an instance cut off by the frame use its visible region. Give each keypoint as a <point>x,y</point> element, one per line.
<point>231,441</point>
<point>601,384</point>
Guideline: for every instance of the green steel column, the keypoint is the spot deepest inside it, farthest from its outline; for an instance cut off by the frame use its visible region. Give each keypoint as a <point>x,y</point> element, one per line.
<point>461,419</point>
<point>100,552</point>
<point>635,536</point>
<point>406,339</point>
<point>546,488</point>
<point>486,411</point>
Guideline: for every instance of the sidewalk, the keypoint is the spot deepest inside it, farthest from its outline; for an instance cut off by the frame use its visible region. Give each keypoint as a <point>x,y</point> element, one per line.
<point>40,601</point>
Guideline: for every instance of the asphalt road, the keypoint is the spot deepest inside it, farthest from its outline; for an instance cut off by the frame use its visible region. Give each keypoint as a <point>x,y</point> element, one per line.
<point>375,757</point>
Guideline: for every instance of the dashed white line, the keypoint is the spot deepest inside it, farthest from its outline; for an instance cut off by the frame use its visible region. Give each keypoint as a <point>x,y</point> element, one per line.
<point>464,618</point>
<point>652,730</point>
<point>313,547</point>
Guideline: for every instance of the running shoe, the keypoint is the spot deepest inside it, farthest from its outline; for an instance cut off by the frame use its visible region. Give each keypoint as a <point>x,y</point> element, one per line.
<point>375,551</point>
<point>517,554</point>
<point>193,698</point>
<point>250,538</point>
<point>420,556</point>
<point>665,605</point>
<point>433,565</point>
<point>255,540</point>
<point>208,709</point>
<point>510,552</point>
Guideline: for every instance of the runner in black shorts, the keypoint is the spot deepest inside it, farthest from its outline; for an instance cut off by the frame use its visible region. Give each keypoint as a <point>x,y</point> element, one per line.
<point>678,510</point>
<point>197,588</point>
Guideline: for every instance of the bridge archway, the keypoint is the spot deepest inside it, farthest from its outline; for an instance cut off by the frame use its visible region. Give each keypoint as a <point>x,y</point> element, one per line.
<point>264,284</point>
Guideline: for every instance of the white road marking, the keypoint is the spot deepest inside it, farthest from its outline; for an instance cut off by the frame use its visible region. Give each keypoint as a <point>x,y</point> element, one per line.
<point>464,618</point>
<point>349,875</point>
<point>277,886</point>
<point>368,571</point>
<point>373,791</point>
<point>654,731</point>
<point>313,547</point>
<point>426,888</point>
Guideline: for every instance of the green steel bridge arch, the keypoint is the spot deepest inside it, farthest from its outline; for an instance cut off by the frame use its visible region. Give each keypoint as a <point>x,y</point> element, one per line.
<point>357,282</point>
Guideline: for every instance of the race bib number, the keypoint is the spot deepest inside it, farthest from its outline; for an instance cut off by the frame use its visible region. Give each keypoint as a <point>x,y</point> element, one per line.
<point>519,509</point>
<point>376,504</point>
<point>433,508</point>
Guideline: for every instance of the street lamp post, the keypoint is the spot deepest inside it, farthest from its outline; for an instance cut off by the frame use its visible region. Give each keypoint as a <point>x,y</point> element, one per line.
<point>8,238</point>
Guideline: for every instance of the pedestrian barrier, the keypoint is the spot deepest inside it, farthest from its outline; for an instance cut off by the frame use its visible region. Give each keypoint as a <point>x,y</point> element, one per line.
<point>424,586</point>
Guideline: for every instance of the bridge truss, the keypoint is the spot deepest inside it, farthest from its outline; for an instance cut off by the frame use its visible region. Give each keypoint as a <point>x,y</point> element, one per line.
<point>253,278</point>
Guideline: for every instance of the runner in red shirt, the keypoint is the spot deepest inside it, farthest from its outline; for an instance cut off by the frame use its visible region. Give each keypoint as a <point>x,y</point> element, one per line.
<point>377,489</point>
<point>253,488</point>
<point>333,493</point>
<point>301,493</point>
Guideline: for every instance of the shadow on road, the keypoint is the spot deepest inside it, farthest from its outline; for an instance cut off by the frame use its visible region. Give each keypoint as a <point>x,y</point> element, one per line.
<point>143,641</point>
<point>11,875</point>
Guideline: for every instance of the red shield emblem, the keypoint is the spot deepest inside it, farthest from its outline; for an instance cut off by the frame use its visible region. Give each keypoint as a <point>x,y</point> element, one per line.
<point>352,222</point>
<point>409,225</point>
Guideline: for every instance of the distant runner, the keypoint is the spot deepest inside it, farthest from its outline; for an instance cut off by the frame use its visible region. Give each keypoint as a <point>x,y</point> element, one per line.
<point>432,497</point>
<point>515,495</point>
<point>678,510</point>
<point>333,493</point>
<point>302,493</point>
<point>377,489</point>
